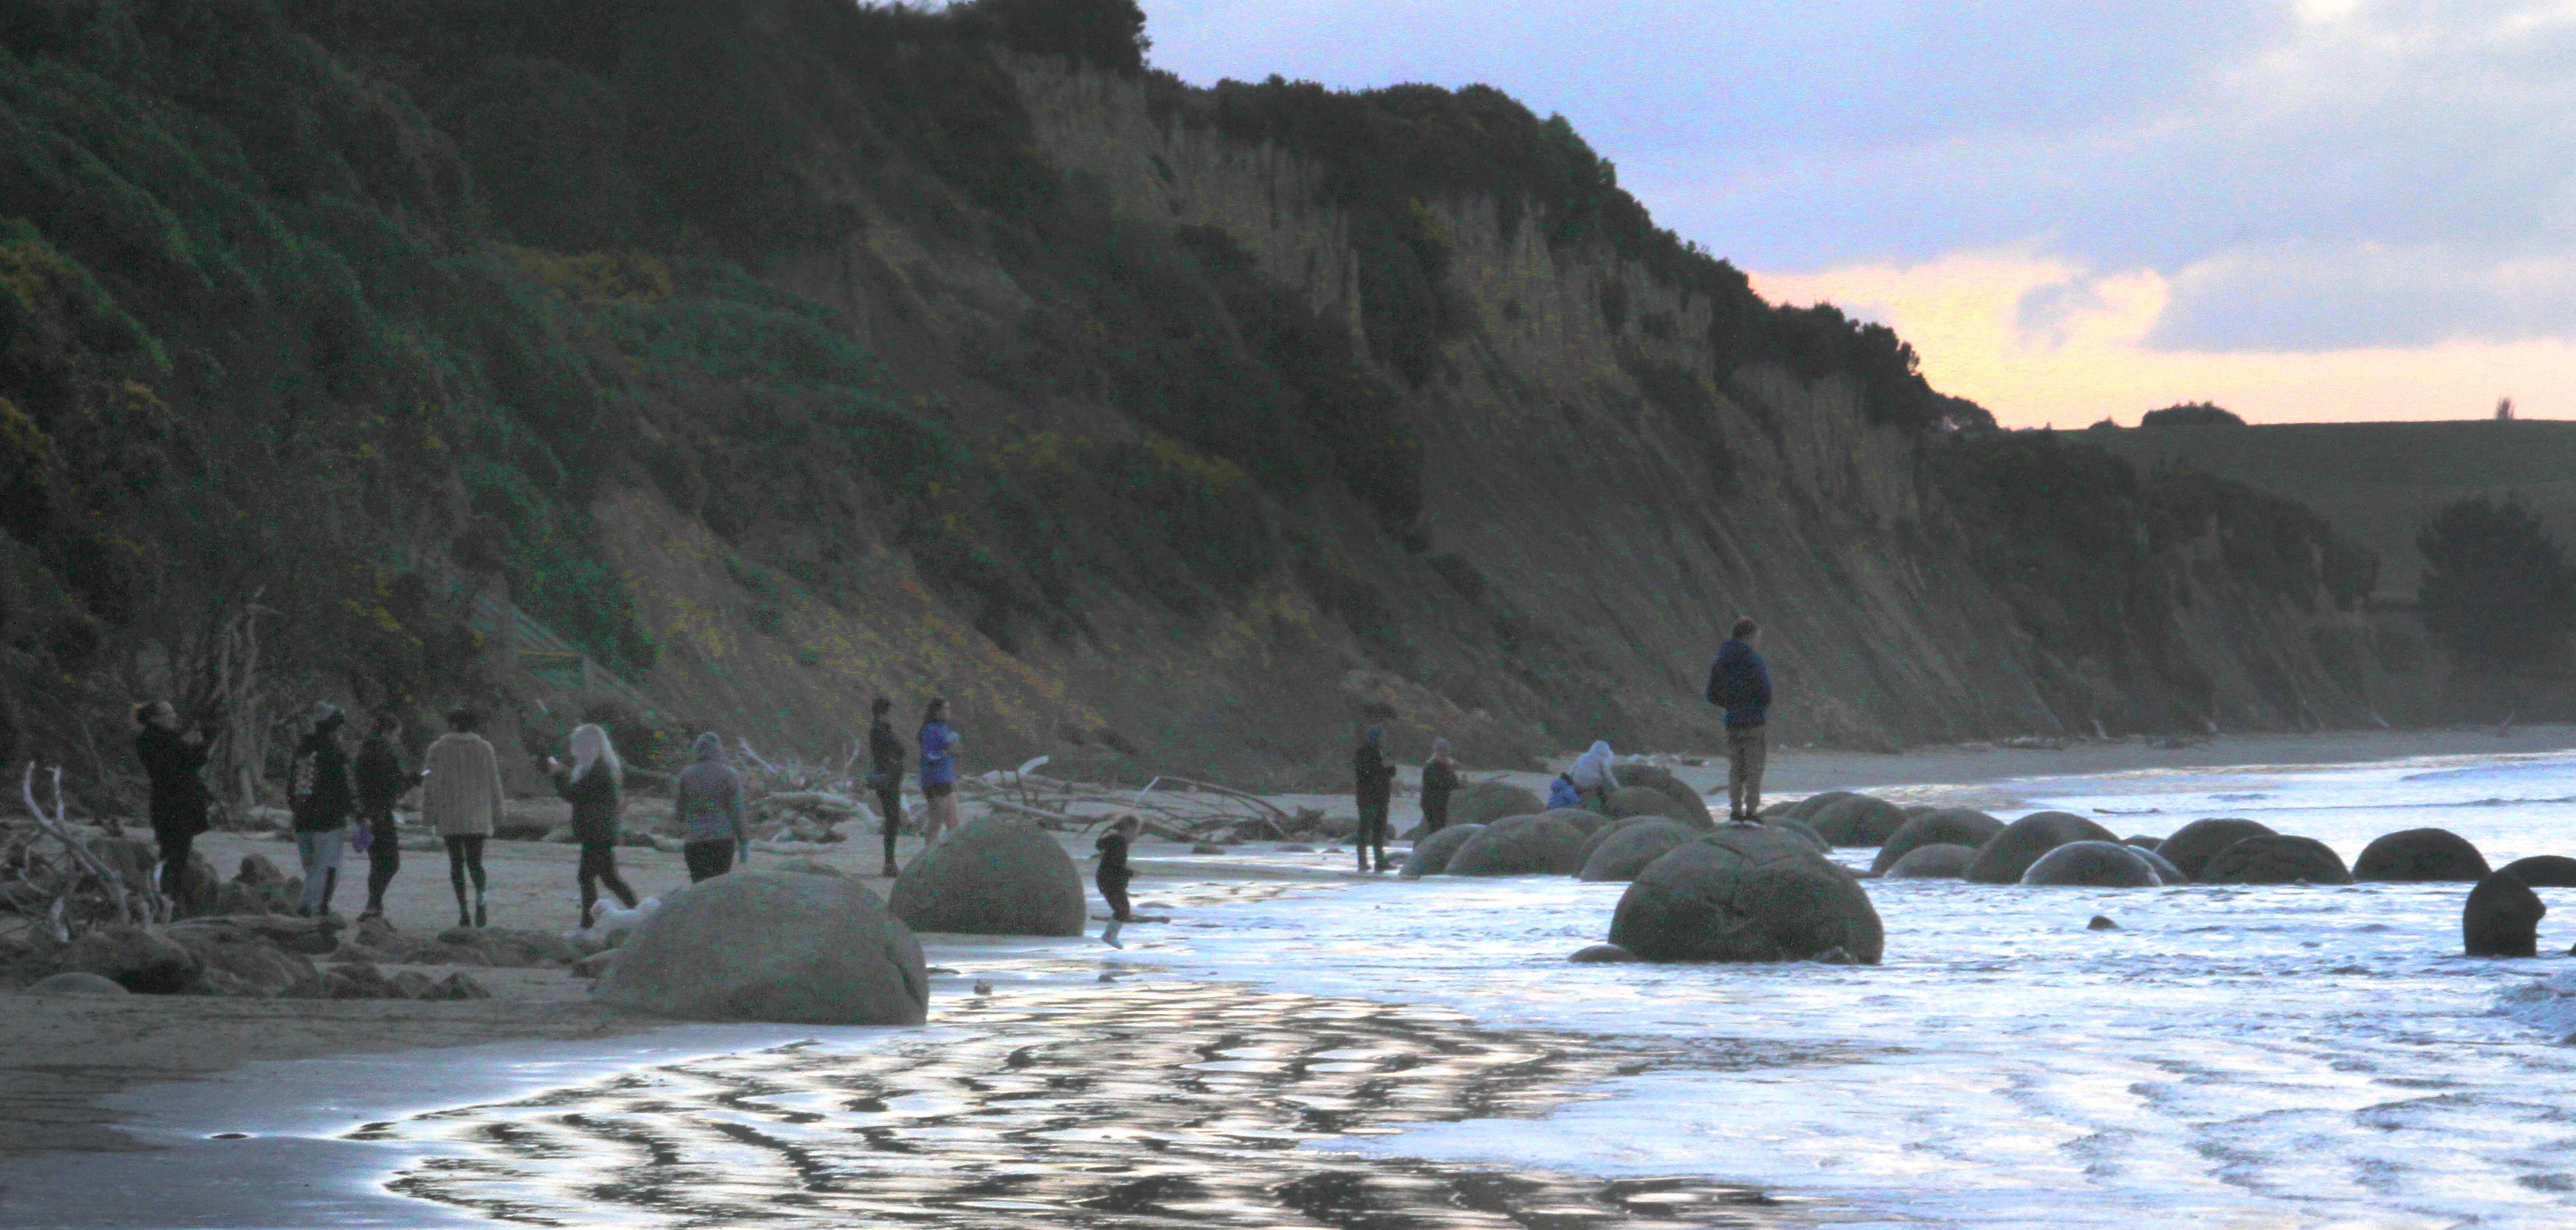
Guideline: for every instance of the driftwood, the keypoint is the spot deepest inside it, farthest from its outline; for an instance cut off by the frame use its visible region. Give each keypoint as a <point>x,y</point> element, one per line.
<point>82,861</point>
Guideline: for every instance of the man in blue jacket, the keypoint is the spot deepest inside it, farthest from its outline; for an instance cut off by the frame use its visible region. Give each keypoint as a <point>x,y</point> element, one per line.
<point>1739,681</point>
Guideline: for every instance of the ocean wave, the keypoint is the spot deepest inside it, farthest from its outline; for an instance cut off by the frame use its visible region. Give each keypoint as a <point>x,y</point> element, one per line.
<point>2548,1005</point>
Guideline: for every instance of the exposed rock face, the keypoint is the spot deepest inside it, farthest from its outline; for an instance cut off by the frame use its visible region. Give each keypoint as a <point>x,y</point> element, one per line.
<point>1857,821</point>
<point>2276,860</point>
<point>1933,863</point>
<point>2008,854</point>
<point>1952,826</point>
<point>1486,802</point>
<point>1746,893</point>
<point>2194,844</point>
<point>2421,855</point>
<point>1431,855</point>
<point>996,876</point>
<point>2092,864</point>
<point>1625,853</point>
<point>1521,846</point>
<point>761,946</point>
<point>2502,918</point>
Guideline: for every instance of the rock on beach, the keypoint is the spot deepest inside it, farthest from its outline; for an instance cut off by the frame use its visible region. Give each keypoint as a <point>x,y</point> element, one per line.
<point>1746,894</point>
<point>769,946</point>
<point>995,876</point>
<point>2008,854</point>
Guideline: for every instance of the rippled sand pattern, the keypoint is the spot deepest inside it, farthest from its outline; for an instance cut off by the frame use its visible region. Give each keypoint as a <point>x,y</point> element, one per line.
<point>1152,1104</point>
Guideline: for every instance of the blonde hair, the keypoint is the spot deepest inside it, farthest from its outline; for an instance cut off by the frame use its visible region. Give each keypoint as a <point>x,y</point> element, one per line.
<point>590,746</point>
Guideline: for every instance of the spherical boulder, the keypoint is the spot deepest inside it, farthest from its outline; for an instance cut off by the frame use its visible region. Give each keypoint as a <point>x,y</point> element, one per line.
<point>136,958</point>
<point>76,983</point>
<point>1521,846</point>
<point>1582,818</point>
<point>995,876</point>
<point>1945,826</point>
<point>1486,802</point>
<point>2142,842</point>
<point>1937,862</point>
<point>770,946</point>
<point>1746,893</point>
<point>2421,856</point>
<point>1806,808</point>
<point>1857,821</point>
<point>2165,871</point>
<point>2092,864</point>
<point>1688,806</point>
<point>2276,860</point>
<point>2196,843</point>
<point>805,867</point>
<point>1598,954</point>
<point>1629,801</point>
<point>2502,918</point>
<point>1622,854</point>
<point>2006,855</point>
<point>1431,855</point>
<point>2544,870</point>
<point>1800,830</point>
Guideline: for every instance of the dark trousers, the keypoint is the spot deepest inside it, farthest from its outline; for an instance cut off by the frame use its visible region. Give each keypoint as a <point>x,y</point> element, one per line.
<point>707,859</point>
<point>1435,812</point>
<point>599,866</point>
<point>1372,830</point>
<point>176,850</point>
<point>890,805</point>
<point>464,859</point>
<point>384,859</point>
<point>1115,893</point>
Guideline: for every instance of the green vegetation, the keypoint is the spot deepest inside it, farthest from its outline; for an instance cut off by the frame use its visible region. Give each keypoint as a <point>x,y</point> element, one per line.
<point>2191,414</point>
<point>2498,594</point>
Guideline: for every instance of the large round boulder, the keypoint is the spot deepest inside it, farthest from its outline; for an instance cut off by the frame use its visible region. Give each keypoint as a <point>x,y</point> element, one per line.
<point>767,946</point>
<point>2276,860</point>
<point>1943,826</point>
<point>136,958</point>
<point>2544,870</point>
<point>1688,806</point>
<point>1857,821</point>
<point>995,876</point>
<point>2092,864</point>
<point>1627,851</point>
<point>76,983</point>
<point>2165,871</point>
<point>1521,846</point>
<point>2194,844</point>
<point>2421,856</point>
<point>1486,802</point>
<point>2008,854</point>
<point>1800,830</point>
<point>1746,893</point>
<point>1582,818</point>
<point>1629,801</point>
<point>1806,808</point>
<point>1933,863</point>
<point>2502,918</point>
<point>1431,855</point>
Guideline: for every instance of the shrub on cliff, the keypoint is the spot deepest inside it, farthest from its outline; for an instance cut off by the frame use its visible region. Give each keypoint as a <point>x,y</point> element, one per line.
<point>2498,592</point>
<point>2191,414</point>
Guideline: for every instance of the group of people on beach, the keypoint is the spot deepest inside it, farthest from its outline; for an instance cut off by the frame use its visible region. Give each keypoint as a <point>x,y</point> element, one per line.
<point>336,802</point>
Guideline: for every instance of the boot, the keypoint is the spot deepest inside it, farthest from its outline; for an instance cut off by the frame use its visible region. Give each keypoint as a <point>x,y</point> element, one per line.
<point>481,919</point>
<point>1109,934</point>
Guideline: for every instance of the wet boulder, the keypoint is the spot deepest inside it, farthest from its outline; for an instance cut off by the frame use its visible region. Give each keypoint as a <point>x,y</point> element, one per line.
<point>2421,856</point>
<point>2194,844</point>
<point>2544,870</point>
<point>1431,855</point>
<point>1806,808</point>
<point>1800,830</point>
<point>1942,826</point>
<point>2092,864</point>
<point>1589,821</point>
<point>136,958</point>
<point>2502,918</point>
<point>2142,842</point>
<point>1486,802</point>
<point>995,876</point>
<point>1937,862</point>
<point>1688,807</point>
<point>1594,954</point>
<point>2165,871</point>
<point>1857,820</point>
<point>2276,860</point>
<point>1746,893</point>
<point>2006,855</point>
<point>1522,846</point>
<point>1627,851</point>
<point>764,946</point>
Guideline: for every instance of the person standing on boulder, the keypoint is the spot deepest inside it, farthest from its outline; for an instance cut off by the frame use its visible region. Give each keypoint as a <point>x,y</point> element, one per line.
<point>1593,776</point>
<point>381,781</point>
<point>885,774</point>
<point>461,796</point>
<point>1113,875</point>
<point>1741,682</point>
<point>709,807</point>
<point>938,771</point>
<point>1375,779</point>
<point>1439,781</point>
<point>172,759</point>
<point>592,783</point>
<point>317,795</point>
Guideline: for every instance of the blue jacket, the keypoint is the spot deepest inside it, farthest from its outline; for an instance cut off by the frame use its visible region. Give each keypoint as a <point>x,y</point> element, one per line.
<point>938,763</point>
<point>1562,796</point>
<point>1739,681</point>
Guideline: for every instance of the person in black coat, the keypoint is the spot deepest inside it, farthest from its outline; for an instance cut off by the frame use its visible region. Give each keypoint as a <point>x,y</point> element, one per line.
<point>173,758</point>
<point>318,795</point>
<point>1375,779</point>
<point>381,782</point>
<point>1112,876</point>
<point>592,784</point>
<point>885,774</point>
<point>1439,781</point>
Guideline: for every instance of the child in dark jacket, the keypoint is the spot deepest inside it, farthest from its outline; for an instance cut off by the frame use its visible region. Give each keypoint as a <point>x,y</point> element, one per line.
<point>1112,877</point>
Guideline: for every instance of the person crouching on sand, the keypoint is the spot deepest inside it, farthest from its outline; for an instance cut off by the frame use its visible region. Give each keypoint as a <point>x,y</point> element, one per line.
<point>1594,777</point>
<point>1113,875</point>
<point>592,783</point>
<point>709,805</point>
<point>461,795</point>
<point>938,772</point>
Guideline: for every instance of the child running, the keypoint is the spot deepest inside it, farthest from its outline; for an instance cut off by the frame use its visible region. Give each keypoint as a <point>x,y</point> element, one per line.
<point>1113,875</point>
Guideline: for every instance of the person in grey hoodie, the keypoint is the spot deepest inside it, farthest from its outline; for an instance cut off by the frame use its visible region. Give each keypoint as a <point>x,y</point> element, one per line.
<point>709,807</point>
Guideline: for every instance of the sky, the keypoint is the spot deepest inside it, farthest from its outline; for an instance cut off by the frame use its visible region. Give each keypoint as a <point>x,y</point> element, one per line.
<point>2302,210</point>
